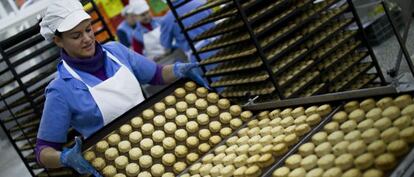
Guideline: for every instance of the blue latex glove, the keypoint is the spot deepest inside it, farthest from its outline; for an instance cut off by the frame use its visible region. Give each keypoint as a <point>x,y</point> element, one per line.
<point>73,158</point>
<point>189,70</point>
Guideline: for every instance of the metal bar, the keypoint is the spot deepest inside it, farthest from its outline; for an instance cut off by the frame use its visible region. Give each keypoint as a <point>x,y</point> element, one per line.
<point>259,48</point>
<point>187,37</point>
<point>365,40</point>
<point>24,45</point>
<point>21,36</point>
<point>399,38</point>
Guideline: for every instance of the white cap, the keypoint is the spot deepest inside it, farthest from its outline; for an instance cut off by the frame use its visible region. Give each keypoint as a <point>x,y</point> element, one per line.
<point>136,7</point>
<point>62,15</point>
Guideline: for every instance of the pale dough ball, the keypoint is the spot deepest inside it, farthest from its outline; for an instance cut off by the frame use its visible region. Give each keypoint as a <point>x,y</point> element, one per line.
<point>336,137</point>
<point>357,147</point>
<point>180,135</point>
<point>407,134</point>
<point>228,159</point>
<point>287,121</point>
<point>194,169</point>
<point>203,148</point>
<point>291,139</point>
<point>121,162</point>
<point>181,120</point>
<point>208,158</point>
<point>331,127</point>
<point>351,106</point>
<point>253,123</point>
<point>276,131</point>
<point>374,114</point>
<point>398,148</point>
<point>214,126</point>
<point>170,127</point>
<point>203,119</point>
<point>201,92</point>
<point>132,169</point>
<point>239,172</point>
<point>158,136</point>
<point>352,173</point>
<point>313,119</point>
<point>168,159</point>
<point>324,109</point>
<point>240,160</point>
<point>348,126</point>
<point>286,112</point>
<point>192,157</point>
<point>253,171</point>
<point>373,173</point>
<point>159,120</point>
<point>191,113</point>
<point>402,122</point>
<point>215,171</point>
<point>391,112</point>
<point>124,146</point>
<point>370,135</point>
<point>170,113</point>
<point>220,149</point>
<point>365,125</point>
<point>254,149</point>
<point>145,161</point>
<point>385,102</point>
<point>159,107</point>
<point>298,172</point>
<point>181,151</point>
<point>204,134</point>
<point>212,98</point>
<point>364,161</point>
<point>302,129</point>
<point>377,147</point>
<point>223,103</point>
<point>353,136</point>
<point>236,123</point>
<point>147,129</point>
<point>179,92</point>
<point>306,149</point>
<point>299,111</point>
<point>89,155</point>
<point>323,149</point>
<point>168,143</point>
<point>340,148</point>
<point>403,101</point>
<point>135,137</point>
<point>125,129</point>
<point>168,174</point>
<point>98,163</point>
<point>325,162</point>
<point>181,106</point>
<point>109,170</point>
<point>225,117</point>
<point>274,114</point>
<point>316,172</point>
<point>192,141</point>
<point>293,161</point>
<point>201,104</point>
<point>246,115</point>
<point>281,172</point>
<point>340,117</point>
<point>335,171</point>
<point>137,122</point>
<point>309,162</point>
<point>190,86</point>
<point>191,98</point>
<point>227,171</point>
<point>385,161</point>
<point>135,153</point>
<point>111,153</point>
<point>390,134</point>
<point>311,110</point>
<point>191,126</point>
<point>213,111</point>
<point>235,110</point>
<point>146,144</point>
<point>114,139</point>
<point>214,140</point>
<point>280,149</point>
<point>367,104</point>
<point>319,138</point>
<point>409,110</point>
<point>344,161</point>
<point>148,114</point>
<point>255,139</point>
<point>157,151</point>
<point>298,121</point>
<point>170,100</point>
<point>357,115</point>
<point>290,129</point>
<point>144,174</point>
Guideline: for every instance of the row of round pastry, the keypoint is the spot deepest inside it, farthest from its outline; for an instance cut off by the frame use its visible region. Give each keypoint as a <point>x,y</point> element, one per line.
<point>235,66</point>
<point>243,78</point>
<point>353,72</point>
<point>311,75</point>
<point>360,141</point>
<point>258,144</point>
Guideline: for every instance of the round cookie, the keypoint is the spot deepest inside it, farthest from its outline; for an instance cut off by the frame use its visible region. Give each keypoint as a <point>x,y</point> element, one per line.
<point>190,98</point>
<point>212,98</point>
<point>179,92</point>
<point>309,162</point>
<point>315,172</point>
<point>159,120</point>
<point>170,113</point>
<point>391,112</point>
<point>225,117</point>
<point>280,149</point>
<point>180,151</point>
<point>192,126</point>
<point>135,153</point>
<point>293,161</point>
<point>157,170</point>
<point>181,120</point>
<point>192,141</point>
<point>124,146</point>
<point>370,135</point>
<point>170,100</point>
<point>201,104</point>
<point>114,139</point>
<point>325,162</point>
<point>168,159</point>
<point>356,148</point>
<point>374,114</point>
<point>385,161</point>
<point>353,136</point>
<point>89,155</point>
<point>286,112</point>
<point>121,162</point>
<point>302,129</point>
<point>201,92</point>
<point>357,115</point>
<point>340,148</point>
<point>390,134</point>
<point>102,146</point>
<point>373,173</point>
<point>148,114</point>
<point>214,140</point>
<point>324,110</point>
<point>367,104</point>
<point>180,135</point>
<point>190,86</point>
<point>319,138</point>
<point>146,144</point>
<point>340,117</point>
<point>402,122</point>
<point>246,115</point>
<point>385,102</point>
<point>298,172</point>
<point>351,106</point>
<point>147,129</point>
<point>311,110</point>
<point>168,143</point>
<point>335,171</point>
<point>365,125</point>
<point>377,147</point>
<point>213,111</point>
<point>191,157</point>
<point>226,131</point>
<point>109,170</point>
<point>191,113</point>
<point>281,172</point>
<point>214,126</point>
<point>137,122</point>
<point>98,163</point>
<point>170,127</point>
<point>299,111</point>
<point>348,126</point>
<point>323,149</point>
<point>159,107</point>
<point>352,173</point>
<point>236,123</point>
<point>157,151</point>
<point>313,119</point>
<point>407,134</point>
<point>132,169</point>
<point>364,161</point>
<point>306,149</point>
<point>125,129</point>
<point>223,103</point>
<point>344,161</point>
<point>235,110</point>
<point>409,110</point>
<point>145,161</point>
<point>204,134</point>
<point>181,106</point>
<point>135,137</point>
<point>398,148</point>
<point>403,100</point>
<point>331,127</point>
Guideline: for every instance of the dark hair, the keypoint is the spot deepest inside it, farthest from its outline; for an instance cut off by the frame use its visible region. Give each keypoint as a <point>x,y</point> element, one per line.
<point>58,34</point>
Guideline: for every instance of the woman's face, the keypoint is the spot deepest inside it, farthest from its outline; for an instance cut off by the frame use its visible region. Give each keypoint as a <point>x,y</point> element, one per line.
<point>78,42</point>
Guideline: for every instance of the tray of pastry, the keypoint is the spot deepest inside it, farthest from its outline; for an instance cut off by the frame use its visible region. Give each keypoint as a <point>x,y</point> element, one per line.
<point>261,142</point>
<point>235,66</point>
<point>164,134</point>
<point>255,89</point>
<point>225,26</point>
<point>242,78</point>
<point>368,137</point>
<point>339,55</point>
<point>206,6</point>
<point>280,65</point>
<point>226,11</point>
<point>349,62</point>
<point>302,83</point>
<point>282,48</point>
<point>226,40</point>
<point>231,53</point>
<point>362,81</point>
<point>314,89</point>
<point>354,73</point>
<point>290,76</point>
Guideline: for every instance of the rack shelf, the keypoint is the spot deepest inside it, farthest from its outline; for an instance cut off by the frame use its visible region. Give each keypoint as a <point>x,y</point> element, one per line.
<point>358,70</point>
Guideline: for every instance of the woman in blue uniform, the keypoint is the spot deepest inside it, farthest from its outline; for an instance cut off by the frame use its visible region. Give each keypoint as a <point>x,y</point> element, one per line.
<point>94,85</point>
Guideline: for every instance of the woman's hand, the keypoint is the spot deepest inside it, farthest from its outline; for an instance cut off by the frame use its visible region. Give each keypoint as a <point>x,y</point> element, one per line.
<point>189,70</point>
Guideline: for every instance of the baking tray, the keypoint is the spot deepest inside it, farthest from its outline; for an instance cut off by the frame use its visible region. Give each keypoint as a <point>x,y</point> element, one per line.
<point>234,67</point>
<point>136,111</point>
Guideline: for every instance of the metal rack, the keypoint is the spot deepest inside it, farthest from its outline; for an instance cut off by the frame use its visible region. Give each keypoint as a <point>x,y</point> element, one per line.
<point>27,64</point>
<point>263,40</point>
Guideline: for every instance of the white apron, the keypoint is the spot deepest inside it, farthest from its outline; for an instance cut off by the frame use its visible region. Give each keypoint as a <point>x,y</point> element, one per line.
<point>152,44</point>
<point>115,95</point>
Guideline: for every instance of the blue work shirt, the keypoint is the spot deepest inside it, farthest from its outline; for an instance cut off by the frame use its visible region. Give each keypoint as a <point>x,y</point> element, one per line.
<point>140,30</point>
<point>69,102</point>
<point>125,33</point>
<point>171,33</point>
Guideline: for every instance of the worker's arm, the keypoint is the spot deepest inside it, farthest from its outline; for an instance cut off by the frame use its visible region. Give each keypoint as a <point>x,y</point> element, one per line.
<point>183,70</point>
<point>50,158</point>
